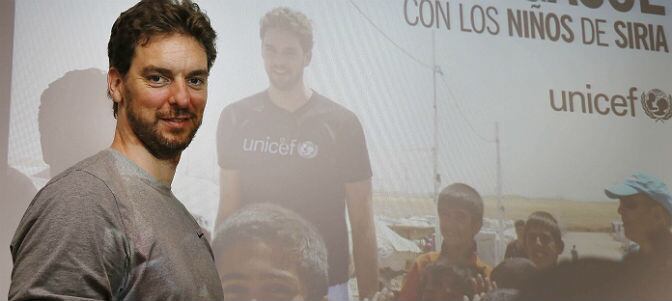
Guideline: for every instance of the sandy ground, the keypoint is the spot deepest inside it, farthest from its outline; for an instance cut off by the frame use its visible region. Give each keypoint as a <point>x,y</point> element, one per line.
<point>572,215</point>
<point>592,244</point>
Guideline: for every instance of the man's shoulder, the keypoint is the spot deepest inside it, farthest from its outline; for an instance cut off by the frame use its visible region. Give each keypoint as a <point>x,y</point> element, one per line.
<point>95,166</point>
<point>255,102</point>
<point>329,106</point>
<point>76,193</point>
<point>87,177</point>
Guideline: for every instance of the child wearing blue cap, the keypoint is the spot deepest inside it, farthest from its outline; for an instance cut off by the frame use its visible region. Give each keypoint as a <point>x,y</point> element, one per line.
<point>646,210</point>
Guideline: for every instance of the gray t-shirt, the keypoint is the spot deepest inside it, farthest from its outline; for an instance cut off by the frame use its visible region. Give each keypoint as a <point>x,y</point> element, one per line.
<point>106,230</point>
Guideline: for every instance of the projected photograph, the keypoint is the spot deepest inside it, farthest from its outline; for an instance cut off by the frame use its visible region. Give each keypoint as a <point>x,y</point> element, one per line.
<point>337,150</point>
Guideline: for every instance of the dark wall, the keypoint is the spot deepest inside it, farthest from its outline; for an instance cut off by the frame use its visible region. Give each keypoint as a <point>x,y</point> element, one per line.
<point>6,44</point>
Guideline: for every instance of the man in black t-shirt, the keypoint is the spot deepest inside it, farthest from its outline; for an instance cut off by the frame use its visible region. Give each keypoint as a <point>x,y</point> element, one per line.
<point>291,146</point>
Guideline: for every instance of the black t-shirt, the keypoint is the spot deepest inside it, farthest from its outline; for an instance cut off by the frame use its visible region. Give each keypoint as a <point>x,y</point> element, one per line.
<point>300,160</point>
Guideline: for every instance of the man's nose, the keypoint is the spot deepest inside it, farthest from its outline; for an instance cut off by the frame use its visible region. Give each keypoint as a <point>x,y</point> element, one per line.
<point>179,94</point>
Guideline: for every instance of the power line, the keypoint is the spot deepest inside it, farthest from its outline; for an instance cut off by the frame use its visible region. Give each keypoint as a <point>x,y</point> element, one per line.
<point>459,110</point>
<point>389,39</point>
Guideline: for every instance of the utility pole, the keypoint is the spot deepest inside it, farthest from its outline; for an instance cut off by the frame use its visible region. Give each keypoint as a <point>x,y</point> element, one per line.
<point>438,239</point>
<point>499,246</point>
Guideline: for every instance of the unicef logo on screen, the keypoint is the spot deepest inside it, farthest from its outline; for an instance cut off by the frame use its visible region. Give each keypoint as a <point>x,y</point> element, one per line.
<point>657,105</point>
<point>308,150</point>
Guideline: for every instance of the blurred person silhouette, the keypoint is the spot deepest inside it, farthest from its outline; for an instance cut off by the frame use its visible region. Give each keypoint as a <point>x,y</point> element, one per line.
<point>444,282</point>
<point>513,272</point>
<point>74,119</point>
<point>592,279</point>
<point>266,252</point>
<point>645,206</point>
<point>575,253</point>
<point>296,148</point>
<point>516,248</point>
<point>460,212</point>
<point>543,239</point>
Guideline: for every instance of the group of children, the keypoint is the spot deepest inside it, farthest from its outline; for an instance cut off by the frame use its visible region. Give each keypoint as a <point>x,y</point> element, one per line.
<point>269,253</point>
<point>456,270</point>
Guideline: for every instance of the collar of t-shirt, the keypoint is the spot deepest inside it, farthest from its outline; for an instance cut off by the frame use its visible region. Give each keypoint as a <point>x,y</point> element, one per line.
<point>270,105</point>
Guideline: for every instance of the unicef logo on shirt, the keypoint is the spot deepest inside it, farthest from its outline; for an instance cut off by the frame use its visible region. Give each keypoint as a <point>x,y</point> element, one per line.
<point>308,150</point>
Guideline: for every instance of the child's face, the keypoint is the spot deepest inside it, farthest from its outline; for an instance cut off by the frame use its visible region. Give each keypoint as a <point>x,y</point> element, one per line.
<point>251,270</point>
<point>458,226</point>
<point>541,247</point>
<point>444,289</point>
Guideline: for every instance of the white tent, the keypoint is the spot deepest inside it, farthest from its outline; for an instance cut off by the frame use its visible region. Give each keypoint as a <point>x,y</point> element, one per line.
<point>393,250</point>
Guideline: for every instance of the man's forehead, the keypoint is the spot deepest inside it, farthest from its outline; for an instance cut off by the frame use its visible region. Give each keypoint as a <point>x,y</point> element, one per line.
<point>538,228</point>
<point>173,51</point>
<point>639,197</point>
<point>262,257</point>
<point>283,38</point>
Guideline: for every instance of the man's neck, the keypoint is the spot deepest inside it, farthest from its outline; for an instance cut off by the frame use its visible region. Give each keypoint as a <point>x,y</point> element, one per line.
<point>290,99</point>
<point>162,170</point>
<point>658,239</point>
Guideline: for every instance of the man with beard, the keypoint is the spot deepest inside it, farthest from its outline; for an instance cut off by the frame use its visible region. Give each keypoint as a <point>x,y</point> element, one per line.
<point>293,147</point>
<point>109,228</point>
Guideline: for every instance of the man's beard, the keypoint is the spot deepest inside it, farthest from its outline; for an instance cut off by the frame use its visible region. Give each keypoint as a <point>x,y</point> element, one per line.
<point>148,133</point>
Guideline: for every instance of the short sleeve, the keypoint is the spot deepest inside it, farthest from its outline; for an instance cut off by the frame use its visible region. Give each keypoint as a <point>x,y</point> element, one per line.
<point>227,153</point>
<point>353,155</point>
<point>70,244</point>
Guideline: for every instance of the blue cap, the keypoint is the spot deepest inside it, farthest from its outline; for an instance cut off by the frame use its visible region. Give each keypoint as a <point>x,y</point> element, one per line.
<point>646,184</point>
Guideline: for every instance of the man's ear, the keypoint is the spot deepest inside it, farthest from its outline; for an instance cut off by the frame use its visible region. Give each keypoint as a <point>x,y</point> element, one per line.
<point>115,85</point>
<point>477,225</point>
<point>661,217</point>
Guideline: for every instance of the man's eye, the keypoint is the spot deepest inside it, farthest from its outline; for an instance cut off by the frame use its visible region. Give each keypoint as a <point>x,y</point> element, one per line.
<point>157,80</point>
<point>196,81</point>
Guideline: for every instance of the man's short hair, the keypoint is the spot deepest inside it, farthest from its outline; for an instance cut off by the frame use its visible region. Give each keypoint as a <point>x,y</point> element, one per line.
<point>463,196</point>
<point>543,219</point>
<point>149,18</point>
<point>287,19</point>
<point>295,238</point>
